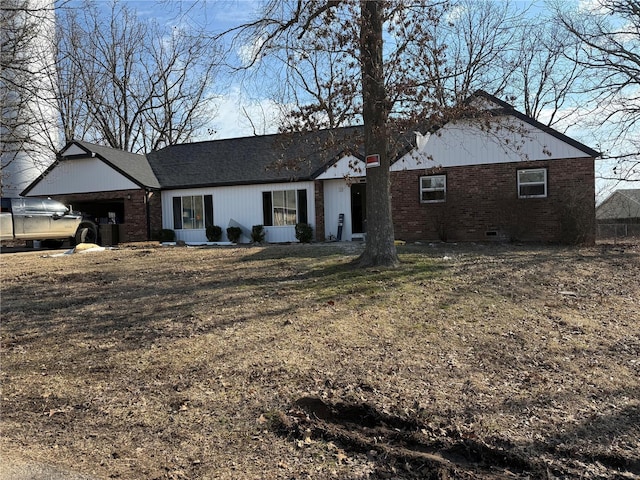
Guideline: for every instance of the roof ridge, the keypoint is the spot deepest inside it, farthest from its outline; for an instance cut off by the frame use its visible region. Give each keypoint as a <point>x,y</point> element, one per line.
<point>255,137</point>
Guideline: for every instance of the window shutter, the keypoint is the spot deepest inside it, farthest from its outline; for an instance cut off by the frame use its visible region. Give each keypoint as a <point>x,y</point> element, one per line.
<point>177,213</point>
<point>302,206</point>
<point>267,209</point>
<point>208,210</point>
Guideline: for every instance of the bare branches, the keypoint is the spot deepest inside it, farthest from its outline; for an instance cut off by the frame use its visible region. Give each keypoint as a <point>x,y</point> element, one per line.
<point>129,83</point>
<point>28,120</point>
<point>608,36</point>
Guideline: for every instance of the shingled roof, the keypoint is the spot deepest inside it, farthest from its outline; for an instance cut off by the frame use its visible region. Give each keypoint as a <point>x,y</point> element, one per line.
<point>132,165</point>
<point>252,160</point>
<point>621,204</point>
<point>264,159</point>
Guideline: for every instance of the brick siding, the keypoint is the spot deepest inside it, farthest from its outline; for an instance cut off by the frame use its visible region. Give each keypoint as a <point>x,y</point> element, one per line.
<point>319,205</point>
<point>482,204</point>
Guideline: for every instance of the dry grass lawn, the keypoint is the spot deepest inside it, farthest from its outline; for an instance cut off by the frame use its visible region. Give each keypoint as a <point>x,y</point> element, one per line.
<point>283,362</point>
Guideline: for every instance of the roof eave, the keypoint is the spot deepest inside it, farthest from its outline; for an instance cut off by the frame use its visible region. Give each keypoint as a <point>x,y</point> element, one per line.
<point>234,183</point>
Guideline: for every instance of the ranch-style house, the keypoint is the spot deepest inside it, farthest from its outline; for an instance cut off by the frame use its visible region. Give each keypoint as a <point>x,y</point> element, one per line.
<point>509,178</point>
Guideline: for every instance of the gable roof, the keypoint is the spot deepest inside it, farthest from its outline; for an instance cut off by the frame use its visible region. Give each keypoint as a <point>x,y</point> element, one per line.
<point>275,158</point>
<point>620,204</point>
<point>505,108</point>
<point>133,166</point>
<point>252,160</point>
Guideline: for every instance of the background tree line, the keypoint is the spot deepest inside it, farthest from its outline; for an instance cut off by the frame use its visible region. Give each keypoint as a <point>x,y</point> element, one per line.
<point>136,84</point>
<point>117,79</point>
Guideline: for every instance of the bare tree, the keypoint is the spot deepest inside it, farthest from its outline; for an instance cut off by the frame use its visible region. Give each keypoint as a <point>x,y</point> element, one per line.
<point>380,248</point>
<point>391,65</point>
<point>182,68</point>
<point>130,83</point>
<point>545,81</point>
<point>470,48</point>
<point>608,35</point>
<point>68,84</point>
<point>28,127</point>
<point>320,83</point>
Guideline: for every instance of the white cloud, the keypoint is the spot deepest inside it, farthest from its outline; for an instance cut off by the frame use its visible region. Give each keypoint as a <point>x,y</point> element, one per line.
<point>250,53</point>
<point>591,6</point>
<point>239,116</point>
<point>455,13</point>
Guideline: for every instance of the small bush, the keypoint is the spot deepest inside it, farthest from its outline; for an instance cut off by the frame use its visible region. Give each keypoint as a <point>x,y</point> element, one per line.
<point>304,232</point>
<point>233,234</point>
<point>577,219</point>
<point>214,233</point>
<point>257,233</point>
<point>166,235</point>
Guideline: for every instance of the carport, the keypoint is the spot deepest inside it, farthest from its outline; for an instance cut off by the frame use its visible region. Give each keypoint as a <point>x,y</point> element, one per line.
<point>116,189</point>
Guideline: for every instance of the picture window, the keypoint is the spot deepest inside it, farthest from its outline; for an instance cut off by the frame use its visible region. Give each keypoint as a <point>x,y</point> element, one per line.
<point>192,212</point>
<point>284,207</point>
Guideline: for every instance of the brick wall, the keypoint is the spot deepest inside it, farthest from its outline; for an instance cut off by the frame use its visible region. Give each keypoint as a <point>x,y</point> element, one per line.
<point>155,212</point>
<point>482,204</point>
<point>319,205</point>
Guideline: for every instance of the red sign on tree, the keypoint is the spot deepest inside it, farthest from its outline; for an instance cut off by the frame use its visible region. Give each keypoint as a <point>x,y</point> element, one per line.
<point>373,160</point>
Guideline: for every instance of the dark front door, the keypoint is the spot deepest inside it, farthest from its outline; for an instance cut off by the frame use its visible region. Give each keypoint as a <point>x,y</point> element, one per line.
<point>358,208</point>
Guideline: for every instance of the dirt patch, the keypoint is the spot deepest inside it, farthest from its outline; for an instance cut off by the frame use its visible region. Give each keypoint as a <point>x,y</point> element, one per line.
<point>279,362</point>
<point>397,444</point>
<point>416,450</point>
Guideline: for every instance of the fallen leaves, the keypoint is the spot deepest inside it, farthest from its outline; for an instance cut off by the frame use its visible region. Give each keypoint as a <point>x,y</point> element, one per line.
<point>198,355</point>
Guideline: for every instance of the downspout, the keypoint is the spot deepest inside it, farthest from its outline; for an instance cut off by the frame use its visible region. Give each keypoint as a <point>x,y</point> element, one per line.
<point>147,198</point>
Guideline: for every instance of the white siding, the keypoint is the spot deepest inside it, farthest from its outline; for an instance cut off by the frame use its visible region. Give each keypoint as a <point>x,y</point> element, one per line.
<point>73,150</point>
<point>337,200</point>
<point>349,166</point>
<point>464,143</point>
<point>242,204</point>
<point>82,176</point>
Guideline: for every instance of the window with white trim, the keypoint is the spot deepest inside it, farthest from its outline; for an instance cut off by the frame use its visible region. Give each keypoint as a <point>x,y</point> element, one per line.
<point>433,188</point>
<point>532,183</point>
<point>192,212</point>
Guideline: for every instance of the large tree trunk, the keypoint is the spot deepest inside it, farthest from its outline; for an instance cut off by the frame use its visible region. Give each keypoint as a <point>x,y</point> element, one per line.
<point>380,249</point>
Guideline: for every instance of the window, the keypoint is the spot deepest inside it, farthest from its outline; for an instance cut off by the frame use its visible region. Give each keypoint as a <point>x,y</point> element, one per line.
<point>532,183</point>
<point>433,188</point>
<point>6,205</point>
<point>34,205</point>
<point>192,212</point>
<point>56,207</point>
<point>284,207</point>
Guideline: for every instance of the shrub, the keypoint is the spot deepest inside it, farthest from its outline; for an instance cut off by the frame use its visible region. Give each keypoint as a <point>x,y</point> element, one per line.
<point>166,235</point>
<point>304,232</point>
<point>233,234</point>
<point>257,233</point>
<point>214,233</point>
<point>577,219</point>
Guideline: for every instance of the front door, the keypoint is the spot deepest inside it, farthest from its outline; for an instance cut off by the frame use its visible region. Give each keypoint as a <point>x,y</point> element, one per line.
<point>358,209</point>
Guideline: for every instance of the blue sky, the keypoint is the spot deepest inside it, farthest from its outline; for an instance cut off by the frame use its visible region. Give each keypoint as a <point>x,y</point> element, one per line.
<point>233,105</point>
